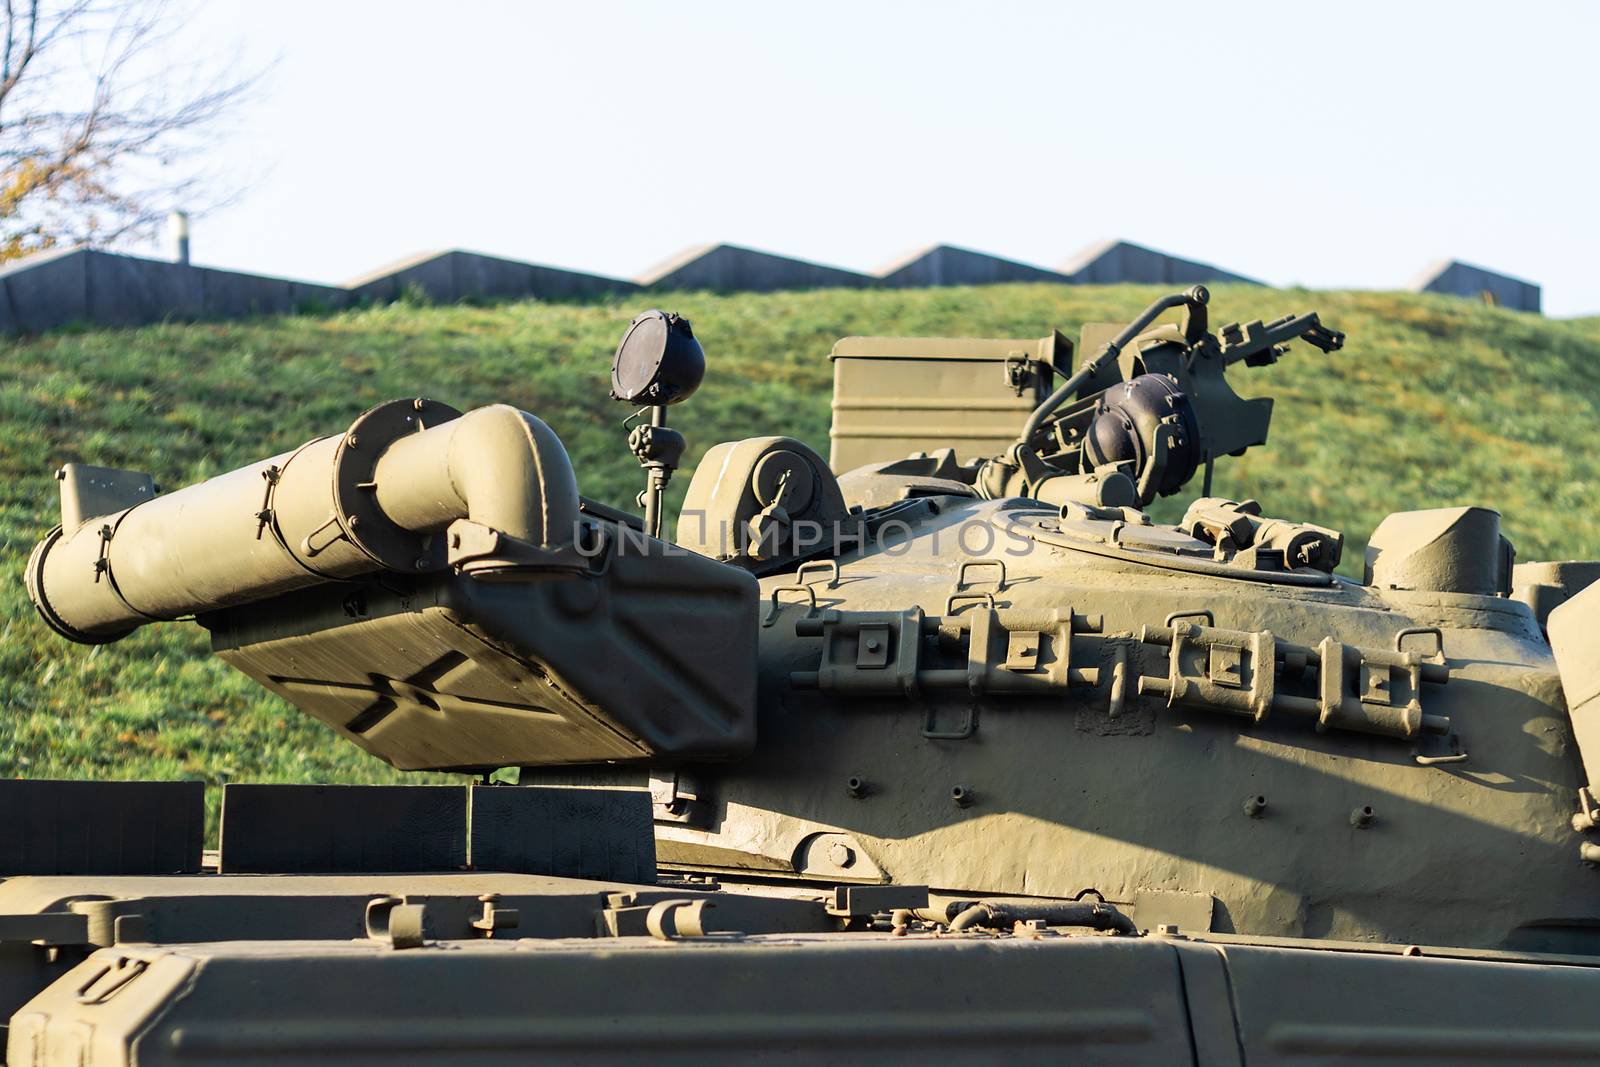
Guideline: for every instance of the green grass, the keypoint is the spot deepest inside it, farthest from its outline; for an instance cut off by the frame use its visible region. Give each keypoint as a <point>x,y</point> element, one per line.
<point>1433,402</point>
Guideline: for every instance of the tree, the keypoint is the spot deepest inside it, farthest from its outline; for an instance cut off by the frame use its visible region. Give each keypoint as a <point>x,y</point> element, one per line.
<point>103,126</point>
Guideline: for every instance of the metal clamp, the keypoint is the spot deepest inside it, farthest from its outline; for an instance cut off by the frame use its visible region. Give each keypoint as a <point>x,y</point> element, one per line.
<point>1019,368</point>
<point>495,918</point>
<point>673,919</point>
<point>267,515</point>
<point>392,921</point>
<point>102,568</point>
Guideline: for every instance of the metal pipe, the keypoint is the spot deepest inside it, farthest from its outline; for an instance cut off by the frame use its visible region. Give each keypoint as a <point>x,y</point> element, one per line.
<point>164,558</point>
<point>178,223</point>
<point>335,508</point>
<point>1001,915</point>
<point>495,465</point>
<point>655,481</point>
<point>1196,296</point>
<point>901,918</point>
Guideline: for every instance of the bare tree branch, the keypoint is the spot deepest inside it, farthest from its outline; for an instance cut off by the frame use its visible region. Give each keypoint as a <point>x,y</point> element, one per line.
<point>97,151</point>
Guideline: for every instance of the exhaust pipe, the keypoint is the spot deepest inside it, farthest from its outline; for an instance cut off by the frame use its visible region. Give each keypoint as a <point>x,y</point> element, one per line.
<point>370,499</point>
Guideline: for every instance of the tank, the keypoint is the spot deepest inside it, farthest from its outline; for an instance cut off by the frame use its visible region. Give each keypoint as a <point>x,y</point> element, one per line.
<point>951,747</point>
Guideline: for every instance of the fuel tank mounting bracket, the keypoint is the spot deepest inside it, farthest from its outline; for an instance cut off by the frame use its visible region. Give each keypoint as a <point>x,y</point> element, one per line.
<point>1246,673</point>
<point>1365,690</point>
<point>980,651</point>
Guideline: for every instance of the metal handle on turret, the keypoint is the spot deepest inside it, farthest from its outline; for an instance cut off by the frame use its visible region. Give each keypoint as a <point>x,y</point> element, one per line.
<point>1194,298</point>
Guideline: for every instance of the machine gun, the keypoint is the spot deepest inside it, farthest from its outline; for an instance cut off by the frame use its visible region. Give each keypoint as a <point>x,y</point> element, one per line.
<point>1261,344</point>
<point>1148,409</point>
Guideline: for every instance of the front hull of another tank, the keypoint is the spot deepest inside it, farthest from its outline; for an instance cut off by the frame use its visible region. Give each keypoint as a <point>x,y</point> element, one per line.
<point>1184,814</point>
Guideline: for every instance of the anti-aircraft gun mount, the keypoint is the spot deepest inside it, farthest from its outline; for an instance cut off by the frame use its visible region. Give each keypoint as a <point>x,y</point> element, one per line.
<point>1137,419</point>
<point>950,708</point>
<point>1153,417</point>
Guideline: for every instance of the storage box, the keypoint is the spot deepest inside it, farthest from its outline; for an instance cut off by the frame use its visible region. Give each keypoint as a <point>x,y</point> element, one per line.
<point>893,396</point>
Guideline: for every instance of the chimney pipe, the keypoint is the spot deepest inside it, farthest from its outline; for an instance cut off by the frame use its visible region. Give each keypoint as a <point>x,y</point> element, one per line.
<point>178,226</point>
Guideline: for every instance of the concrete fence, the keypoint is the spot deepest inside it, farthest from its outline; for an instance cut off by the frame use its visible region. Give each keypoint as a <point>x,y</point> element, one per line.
<point>948,265</point>
<point>56,288</point>
<point>1462,279</point>
<point>731,268</point>
<point>1123,261</point>
<point>456,275</point>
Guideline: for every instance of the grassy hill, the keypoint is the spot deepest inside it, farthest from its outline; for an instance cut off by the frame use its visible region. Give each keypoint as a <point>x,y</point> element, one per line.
<point>1433,402</point>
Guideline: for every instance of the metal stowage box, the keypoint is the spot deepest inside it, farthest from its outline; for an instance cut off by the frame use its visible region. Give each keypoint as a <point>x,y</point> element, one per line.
<point>893,396</point>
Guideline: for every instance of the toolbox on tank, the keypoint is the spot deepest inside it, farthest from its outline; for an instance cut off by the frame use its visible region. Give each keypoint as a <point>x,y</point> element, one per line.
<point>896,395</point>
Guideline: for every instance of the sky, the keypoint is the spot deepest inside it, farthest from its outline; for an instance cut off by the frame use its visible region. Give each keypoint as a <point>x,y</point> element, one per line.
<point>1326,145</point>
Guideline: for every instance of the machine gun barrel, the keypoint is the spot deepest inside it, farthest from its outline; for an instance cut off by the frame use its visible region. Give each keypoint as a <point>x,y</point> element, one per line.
<point>1259,343</point>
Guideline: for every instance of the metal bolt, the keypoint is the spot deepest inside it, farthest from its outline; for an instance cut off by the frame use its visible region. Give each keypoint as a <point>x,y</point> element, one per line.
<point>61,474</point>
<point>353,441</point>
<point>841,854</point>
<point>1361,817</point>
<point>418,404</point>
<point>962,795</point>
<point>856,787</point>
<point>421,563</point>
<point>873,644</point>
<point>353,522</point>
<point>1255,806</point>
